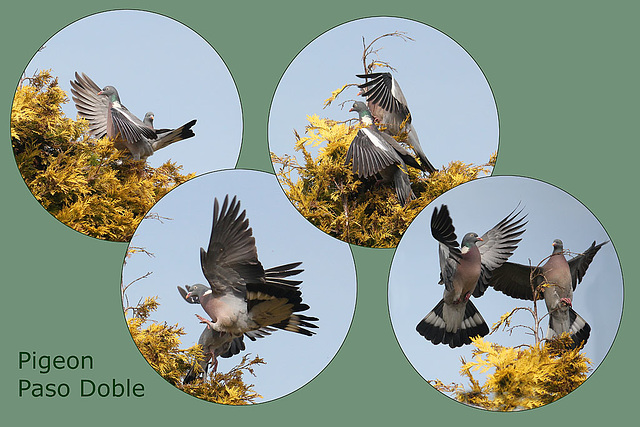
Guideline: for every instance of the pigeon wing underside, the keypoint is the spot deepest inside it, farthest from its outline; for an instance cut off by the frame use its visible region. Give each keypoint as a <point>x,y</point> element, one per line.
<point>497,245</point>
<point>91,106</point>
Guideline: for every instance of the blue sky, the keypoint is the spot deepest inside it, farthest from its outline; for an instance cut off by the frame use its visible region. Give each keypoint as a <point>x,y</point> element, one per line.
<point>156,64</point>
<point>452,107</point>
<point>282,236</point>
<point>478,206</point>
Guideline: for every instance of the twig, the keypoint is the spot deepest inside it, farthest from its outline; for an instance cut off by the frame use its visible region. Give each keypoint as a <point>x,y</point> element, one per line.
<point>368,50</point>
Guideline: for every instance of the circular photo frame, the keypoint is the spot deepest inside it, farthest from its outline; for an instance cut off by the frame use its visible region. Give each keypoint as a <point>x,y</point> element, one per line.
<point>279,315</point>
<point>374,119</point>
<point>502,337</point>
<point>112,112</point>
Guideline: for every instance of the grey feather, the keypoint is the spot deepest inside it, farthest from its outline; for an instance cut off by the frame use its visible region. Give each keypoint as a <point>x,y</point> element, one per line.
<point>463,267</point>
<point>389,106</point>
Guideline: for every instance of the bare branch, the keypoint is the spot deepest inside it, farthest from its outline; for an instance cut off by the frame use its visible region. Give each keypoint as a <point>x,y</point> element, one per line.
<point>153,215</point>
<point>367,50</point>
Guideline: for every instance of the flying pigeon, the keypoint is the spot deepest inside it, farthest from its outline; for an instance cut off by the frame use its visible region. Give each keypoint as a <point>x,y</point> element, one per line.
<point>372,152</point>
<point>389,106</point>
<point>561,278</point>
<point>455,319</point>
<point>242,297</point>
<point>273,274</point>
<point>108,117</point>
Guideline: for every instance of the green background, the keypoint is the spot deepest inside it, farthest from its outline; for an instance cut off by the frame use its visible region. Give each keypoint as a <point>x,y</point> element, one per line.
<point>564,75</point>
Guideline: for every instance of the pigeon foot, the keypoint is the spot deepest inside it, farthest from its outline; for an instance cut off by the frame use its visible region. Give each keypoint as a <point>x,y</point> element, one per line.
<point>205,321</point>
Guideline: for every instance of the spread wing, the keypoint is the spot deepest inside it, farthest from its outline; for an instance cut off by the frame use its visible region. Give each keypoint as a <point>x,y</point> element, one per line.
<point>129,126</point>
<point>514,280</point>
<point>580,263</point>
<point>443,231</point>
<point>91,106</point>
<point>231,259</point>
<point>370,153</point>
<point>278,301</point>
<point>497,245</point>
<point>384,95</point>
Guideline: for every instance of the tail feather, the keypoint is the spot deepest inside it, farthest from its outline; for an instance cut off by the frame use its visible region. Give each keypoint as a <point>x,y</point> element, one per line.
<point>415,143</point>
<point>579,329</point>
<point>403,186</point>
<point>276,275</point>
<point>435,329</point>
<point>167,137</point>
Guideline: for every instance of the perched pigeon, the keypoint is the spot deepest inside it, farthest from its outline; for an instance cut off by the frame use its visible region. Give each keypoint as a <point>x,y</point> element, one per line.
<point>214,344</point>
<point>372,152</point>
<point>108,117</point>
<point>389,106</point>
<point>167,137</point>
<point>454,320</point>
<point>242,297</point>
<point>148,119</point>
<point>561,278</point>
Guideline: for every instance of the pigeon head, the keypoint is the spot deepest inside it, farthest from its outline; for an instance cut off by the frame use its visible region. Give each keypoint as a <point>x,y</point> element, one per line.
<point>363,112</point>
<point>148,119</point>
<point>469,240</point>
<point>111,92</point>
<point>557,246</point>
<point>197,290</point>
<point>360,107</point>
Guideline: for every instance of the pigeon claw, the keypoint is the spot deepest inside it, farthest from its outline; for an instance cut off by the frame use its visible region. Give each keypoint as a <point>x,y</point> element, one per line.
<point>205,321</point>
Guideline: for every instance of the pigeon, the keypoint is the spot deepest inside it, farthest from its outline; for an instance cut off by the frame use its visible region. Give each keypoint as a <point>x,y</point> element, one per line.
<point>108,117</point>
<point>167,137</point>
<point>372,152</point>
<point>561,278</point>
<point>148,119</point>
<point>455,319</point>
<point>389,106</point>
<point>242,297</point>
<point>272,274</point>
<point>214,344</point>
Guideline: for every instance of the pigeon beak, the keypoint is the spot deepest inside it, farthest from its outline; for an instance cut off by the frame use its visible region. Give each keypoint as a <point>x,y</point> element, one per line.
<point>351,109</point>
<point>480,239</point>
<point>100,93</point>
